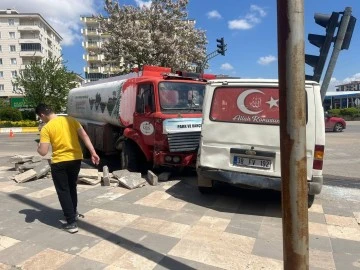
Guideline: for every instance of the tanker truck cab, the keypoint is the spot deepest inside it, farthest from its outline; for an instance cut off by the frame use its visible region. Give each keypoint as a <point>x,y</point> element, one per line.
<point>240,136</point>
<point>151,116</point>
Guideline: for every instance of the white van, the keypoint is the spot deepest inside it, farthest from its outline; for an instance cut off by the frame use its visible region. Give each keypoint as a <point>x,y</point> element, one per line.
<point>240,136</point>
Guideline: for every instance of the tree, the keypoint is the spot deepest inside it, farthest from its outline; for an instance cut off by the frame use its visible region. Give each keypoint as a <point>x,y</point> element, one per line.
<point>160,34</point>
<point>46,81</point>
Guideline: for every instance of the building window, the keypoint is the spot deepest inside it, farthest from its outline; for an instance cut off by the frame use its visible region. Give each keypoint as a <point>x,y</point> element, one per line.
<point>1,74</point>
<point>13,74</point>
<point>12,35</point>
<point>13,61</point>
<point>0,61</point>
<point>2,87</point>
<point>12,48</point>
<point>0,48</point>
<point>11,22</point>
<point>31,47</point>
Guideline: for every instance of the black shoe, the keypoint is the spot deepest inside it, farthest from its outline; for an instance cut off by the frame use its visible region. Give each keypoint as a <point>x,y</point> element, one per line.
<point>71,228</point>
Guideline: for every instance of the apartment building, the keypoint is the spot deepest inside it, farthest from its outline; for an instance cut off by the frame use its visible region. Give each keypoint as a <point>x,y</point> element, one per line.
<point>351,86</point>
<point>23,37</point>
<point>95,65</point>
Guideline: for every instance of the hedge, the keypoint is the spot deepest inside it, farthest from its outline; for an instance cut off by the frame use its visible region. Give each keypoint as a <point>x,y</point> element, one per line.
<point>347,113</point>
<point>23,123</point>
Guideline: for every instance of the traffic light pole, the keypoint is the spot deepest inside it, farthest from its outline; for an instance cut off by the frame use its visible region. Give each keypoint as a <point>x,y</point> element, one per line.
<point>336,51</point>
<point>291,64</point>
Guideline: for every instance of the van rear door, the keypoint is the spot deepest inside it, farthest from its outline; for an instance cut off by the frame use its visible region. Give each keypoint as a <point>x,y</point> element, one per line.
<point>241,130</point>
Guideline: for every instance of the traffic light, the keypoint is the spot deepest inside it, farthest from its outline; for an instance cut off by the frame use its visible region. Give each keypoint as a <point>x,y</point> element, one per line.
<point>221,46</point>
<point>330,22</point>
<point>349,32</point>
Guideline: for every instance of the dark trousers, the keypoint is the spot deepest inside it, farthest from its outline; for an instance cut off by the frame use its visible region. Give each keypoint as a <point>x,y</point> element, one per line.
<point>65,175</point>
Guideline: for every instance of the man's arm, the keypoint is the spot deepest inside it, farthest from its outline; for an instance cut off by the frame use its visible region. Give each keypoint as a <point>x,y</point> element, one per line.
<point>43,148</point>
<point>85,138</point>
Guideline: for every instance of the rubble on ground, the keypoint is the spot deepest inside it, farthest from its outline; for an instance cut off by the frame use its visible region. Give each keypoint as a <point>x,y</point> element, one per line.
<point>29,168</point>
<point>35,167</point>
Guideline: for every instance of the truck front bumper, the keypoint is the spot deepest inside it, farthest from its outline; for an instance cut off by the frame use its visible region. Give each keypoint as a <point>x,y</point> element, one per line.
<point>255,181</point>
<point>174,159</point>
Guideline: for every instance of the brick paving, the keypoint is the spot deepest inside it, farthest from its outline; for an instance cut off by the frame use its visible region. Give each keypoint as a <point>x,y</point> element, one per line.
<point>169,226</point>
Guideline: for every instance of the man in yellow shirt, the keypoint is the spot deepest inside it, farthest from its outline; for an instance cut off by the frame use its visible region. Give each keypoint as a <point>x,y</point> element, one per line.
<point>63,133</point>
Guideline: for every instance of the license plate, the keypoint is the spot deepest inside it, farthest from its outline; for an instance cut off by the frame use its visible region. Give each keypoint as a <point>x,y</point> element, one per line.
<point>252,162</point>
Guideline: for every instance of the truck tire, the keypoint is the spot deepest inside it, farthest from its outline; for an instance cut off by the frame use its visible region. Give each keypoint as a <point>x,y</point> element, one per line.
<point>311,199</point>
<point>129,156</point>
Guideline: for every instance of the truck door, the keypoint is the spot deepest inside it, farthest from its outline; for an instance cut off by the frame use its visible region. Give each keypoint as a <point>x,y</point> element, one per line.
<point>143,116</point>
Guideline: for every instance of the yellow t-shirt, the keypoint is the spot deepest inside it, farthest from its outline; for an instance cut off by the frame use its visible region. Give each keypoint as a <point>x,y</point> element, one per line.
<point>61,133</point>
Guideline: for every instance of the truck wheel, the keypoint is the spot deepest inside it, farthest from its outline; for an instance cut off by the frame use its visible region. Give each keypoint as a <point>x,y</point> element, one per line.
<point>311,199</point>
<point>129,155</point>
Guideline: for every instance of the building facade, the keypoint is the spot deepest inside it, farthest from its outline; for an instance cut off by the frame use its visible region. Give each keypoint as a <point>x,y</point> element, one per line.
<point>95,65</point>
<point>352,86</point>
<point>23,37</point>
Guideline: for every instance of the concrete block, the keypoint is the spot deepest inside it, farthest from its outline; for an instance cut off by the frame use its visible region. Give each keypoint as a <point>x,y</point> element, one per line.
<point>164,176</point>
<point>27,165</point>
<point>89,173</point>
<point>20,159</point>
<point>26,176</point>
<point>106,178</point>
<point>36,159</point>
<point>152,178</point>
<point>128,179</point>
<point>90,181</point>
<point>42,169</point>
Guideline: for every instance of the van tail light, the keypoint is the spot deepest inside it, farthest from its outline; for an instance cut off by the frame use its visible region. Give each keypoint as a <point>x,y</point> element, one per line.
<point>318,157</point>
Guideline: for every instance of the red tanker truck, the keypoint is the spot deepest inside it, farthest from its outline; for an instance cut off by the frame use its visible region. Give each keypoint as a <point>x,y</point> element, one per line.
<point>151,117</point>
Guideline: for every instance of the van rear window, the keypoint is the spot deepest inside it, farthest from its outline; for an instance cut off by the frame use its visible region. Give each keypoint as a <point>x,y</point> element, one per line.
<point>246,105</point>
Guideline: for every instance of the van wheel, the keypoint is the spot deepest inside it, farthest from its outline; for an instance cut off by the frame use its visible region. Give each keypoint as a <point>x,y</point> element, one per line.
<point>311,199</point>
<point>338,127</point>
<point>129,156</point>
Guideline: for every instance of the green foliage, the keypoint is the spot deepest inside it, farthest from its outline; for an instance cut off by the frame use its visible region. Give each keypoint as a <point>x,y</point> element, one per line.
<point>47,82</point>
<point>24,123</point>
<point>10,114</point>
<point>28,115</point>
<point>347,113</point>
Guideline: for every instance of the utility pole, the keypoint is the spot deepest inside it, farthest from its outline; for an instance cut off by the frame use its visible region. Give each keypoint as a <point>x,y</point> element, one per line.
<point>291,64</point>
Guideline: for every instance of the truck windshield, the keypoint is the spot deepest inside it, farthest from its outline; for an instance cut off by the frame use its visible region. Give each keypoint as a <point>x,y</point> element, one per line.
<point>181,96</point>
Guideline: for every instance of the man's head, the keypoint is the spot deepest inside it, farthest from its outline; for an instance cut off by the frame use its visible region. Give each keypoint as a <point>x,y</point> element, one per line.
<point>44,112</point>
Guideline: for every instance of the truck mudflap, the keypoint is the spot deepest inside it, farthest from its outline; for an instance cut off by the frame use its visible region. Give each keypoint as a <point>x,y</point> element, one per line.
<point>255,181</point>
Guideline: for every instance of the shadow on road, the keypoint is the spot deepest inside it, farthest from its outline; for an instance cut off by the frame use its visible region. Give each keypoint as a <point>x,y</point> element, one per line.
<point>341,181</point>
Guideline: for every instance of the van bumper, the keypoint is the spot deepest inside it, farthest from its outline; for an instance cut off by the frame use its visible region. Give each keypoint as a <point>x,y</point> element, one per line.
<point>255,181</point>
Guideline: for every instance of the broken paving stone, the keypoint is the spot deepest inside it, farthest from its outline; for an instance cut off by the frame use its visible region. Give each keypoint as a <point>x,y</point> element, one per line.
<point>20,159</point>
<point>152,178</point>
<point>164,176</point>
<point>36,159</point>
<point>106,178</point>
<point>27,165</point>
<point>90,181</point>
<point>89,173</point>
<point>42,169</point>
<point>26,176</point>
<point>128,179</point>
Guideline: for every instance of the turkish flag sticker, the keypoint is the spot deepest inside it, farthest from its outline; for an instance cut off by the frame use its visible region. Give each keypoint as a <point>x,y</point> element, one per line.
<point>246,105</point>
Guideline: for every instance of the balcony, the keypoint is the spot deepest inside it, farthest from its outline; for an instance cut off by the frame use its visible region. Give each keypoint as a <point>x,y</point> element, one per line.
<point>91,45</point>
<point>89,20</point>
<point>31,54</point>
<point>29,40</point>
<point>90,32</point>
<point>28,27</point>
<point>89,58</point>
<point>92,69</point>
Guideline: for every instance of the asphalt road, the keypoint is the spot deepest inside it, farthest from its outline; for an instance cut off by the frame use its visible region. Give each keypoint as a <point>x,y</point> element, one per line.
<point>340,166</point>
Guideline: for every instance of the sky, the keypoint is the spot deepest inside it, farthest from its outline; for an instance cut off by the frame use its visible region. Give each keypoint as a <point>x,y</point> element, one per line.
<point>248,27</point>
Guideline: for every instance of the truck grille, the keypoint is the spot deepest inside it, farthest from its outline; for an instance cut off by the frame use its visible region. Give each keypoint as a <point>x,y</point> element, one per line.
<point>185,141</point>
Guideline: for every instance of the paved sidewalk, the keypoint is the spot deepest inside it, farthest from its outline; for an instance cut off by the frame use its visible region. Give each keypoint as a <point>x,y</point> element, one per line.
<point>170,226</point>
<point>20,130</point>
